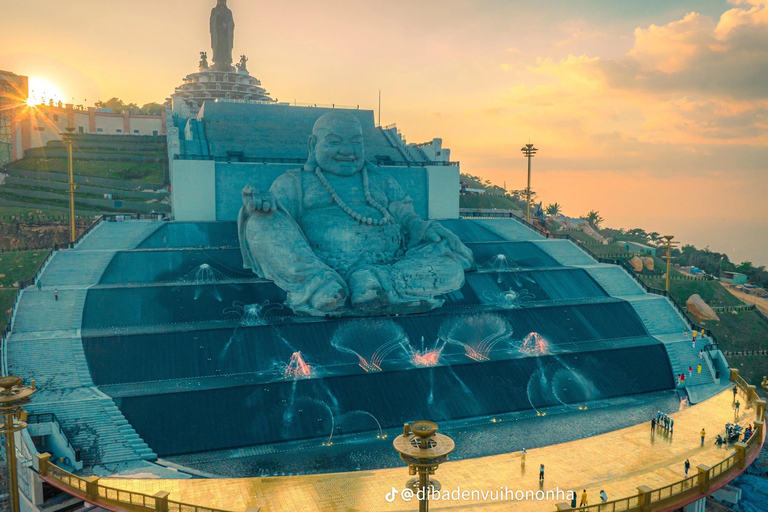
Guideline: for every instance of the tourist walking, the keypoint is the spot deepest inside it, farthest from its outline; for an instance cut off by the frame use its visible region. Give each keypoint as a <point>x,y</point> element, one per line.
<point>687,466</point>
<point>685,332</point>
<point>690,372</point>
<point>701,354</point>
<point>56,294</point>
<point>584,501</point>
<point>653,425</point>
<point>39,285</point>
<point>603,496</point>
<point>693,341</point>
<point>573,499</point>
<point>703,434</point>
<point>671,425</point>
<point>522,457</point>
<point>541,473</point>
<point>698,369</point>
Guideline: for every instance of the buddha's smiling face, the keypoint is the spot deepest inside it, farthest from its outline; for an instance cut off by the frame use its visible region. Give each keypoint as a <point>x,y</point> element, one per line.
<point>337,142</point>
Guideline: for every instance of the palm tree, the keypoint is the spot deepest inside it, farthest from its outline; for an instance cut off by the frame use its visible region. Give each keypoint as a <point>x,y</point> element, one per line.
<point>553,209</point>
<point>594,218</point>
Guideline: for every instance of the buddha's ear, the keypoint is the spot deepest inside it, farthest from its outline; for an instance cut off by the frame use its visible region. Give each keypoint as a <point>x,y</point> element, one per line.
<point>312,143</point>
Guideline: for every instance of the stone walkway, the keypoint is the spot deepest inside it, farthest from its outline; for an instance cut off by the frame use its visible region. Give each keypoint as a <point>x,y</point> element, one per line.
<point>617,462</point>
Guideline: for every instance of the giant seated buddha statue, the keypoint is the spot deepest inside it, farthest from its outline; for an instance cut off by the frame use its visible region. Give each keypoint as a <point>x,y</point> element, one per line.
<point>342,238</point>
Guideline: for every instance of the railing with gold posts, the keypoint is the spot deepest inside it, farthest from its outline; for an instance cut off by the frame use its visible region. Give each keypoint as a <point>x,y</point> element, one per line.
<point>705,481</point>
<point>90,490</point>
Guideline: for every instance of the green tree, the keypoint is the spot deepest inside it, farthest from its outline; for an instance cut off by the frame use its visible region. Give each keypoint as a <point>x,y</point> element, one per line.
<point>553,209</point>
<point>153,109</point>
<point>594,219</point>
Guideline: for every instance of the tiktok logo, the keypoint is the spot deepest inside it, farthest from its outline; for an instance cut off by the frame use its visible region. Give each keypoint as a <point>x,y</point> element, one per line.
<point>390,497</point>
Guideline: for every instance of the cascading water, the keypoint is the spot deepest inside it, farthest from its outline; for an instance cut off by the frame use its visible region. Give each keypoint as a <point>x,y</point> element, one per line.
<point>251,314</point>
<point>297,368</point>
<point>204,274</point>
<point>476,334</point>
<point>534,344</point>
<point>371,341</point>
<point>380,432</point>
<point>427,356</point>
<point>509,299</point>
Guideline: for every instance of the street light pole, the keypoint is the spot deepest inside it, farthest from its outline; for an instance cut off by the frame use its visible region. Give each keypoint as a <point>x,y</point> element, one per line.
<point>13,396</point>
<point>528,151</point>
<point>69,139</point>
<point>670,243</point>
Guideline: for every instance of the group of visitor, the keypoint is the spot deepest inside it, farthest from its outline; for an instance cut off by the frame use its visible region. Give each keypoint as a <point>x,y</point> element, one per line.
<point>662,420</point>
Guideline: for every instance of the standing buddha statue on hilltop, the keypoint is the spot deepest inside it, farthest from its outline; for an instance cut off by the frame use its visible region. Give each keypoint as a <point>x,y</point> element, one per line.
<point>222,36</point>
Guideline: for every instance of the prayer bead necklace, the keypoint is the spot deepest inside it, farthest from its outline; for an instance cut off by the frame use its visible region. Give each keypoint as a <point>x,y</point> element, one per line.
<point>347,209</point>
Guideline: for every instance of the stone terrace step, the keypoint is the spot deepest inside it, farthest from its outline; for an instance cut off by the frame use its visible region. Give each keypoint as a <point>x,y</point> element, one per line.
<point>615,280</point>
<point>67,370</point>
<point>509,229</point>
<point>658,315</point>
<point>565,252</point>
<point>682,355</point>
<point>118,235</point>
<point>40,311</point>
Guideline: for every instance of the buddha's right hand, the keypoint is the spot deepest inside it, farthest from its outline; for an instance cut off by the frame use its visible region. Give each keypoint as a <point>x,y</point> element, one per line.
<point>255,201</point>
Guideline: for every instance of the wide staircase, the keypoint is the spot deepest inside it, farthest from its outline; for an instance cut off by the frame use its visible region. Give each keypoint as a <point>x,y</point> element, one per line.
<point>45,346</point>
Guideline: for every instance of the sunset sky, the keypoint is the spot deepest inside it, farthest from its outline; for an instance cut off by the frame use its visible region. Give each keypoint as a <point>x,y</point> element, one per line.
<point>653,112</point>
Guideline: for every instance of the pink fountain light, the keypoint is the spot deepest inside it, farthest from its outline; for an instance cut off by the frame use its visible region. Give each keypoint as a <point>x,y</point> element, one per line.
<point>534,344</point>
<point>297,368</point>
<point>427,358</point>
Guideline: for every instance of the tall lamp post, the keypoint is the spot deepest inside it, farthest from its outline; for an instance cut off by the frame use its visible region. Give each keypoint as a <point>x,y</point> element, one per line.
<point>423,449</point>
<point>13,396</point>
<point>669,244</point>
<point>528,151</point>
<point>69,140</point>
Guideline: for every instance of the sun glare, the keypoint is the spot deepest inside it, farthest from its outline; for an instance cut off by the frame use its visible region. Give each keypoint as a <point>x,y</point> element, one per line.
<point>43,91</point>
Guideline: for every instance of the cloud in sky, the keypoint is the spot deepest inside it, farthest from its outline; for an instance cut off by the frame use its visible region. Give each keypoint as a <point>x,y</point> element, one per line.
<point>693,83</point>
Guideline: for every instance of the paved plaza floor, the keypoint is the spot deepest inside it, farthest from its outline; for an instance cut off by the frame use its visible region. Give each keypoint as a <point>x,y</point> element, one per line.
<point>617,462</point>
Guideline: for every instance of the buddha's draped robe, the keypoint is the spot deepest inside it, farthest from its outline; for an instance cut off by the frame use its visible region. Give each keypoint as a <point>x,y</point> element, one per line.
<point>310,240</point>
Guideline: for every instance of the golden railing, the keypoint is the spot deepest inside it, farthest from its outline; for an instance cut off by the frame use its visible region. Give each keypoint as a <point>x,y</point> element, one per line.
<point>694,487</point>
<point>90,490</point>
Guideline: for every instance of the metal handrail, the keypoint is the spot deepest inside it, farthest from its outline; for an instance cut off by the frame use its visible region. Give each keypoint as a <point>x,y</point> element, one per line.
<point>94,492</point>
<point>49,417</point>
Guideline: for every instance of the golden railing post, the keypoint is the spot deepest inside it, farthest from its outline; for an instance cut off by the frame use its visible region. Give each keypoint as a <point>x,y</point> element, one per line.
<point>751,394</point>
<point>92,487</point>
<point>703,478</point>
<point>161,501</point>
<point>760,409</point>
<point>43,459</point>
<point>253,509</point>
<point>759,427</point>
<point>563,506</point>
<point>741,454</point>
<point>734,374</point>
<point>644,498</point>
